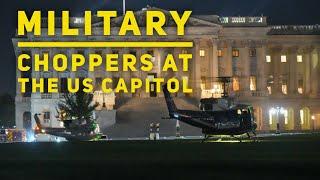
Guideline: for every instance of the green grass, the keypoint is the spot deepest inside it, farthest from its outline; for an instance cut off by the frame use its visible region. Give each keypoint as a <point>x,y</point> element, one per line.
<point>286,157</point>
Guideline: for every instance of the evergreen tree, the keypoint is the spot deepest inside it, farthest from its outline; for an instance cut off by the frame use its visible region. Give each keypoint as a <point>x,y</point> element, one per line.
<point>76,110</point>
<point>7,111</point>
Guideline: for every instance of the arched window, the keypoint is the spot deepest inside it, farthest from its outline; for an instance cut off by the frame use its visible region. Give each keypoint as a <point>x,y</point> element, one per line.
<point>305,119</point>
<point>27,120</point>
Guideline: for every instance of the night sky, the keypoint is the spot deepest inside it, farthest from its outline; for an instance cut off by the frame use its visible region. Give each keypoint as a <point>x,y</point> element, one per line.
<point>278,11</point>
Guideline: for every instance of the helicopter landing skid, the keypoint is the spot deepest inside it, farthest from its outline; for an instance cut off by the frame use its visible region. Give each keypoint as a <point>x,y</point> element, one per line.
<point>253,137</point>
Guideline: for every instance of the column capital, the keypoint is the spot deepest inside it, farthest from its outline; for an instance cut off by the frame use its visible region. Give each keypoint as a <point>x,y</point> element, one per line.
<point>275,48</point>
<point>197,41</point>
<point>214,40</point>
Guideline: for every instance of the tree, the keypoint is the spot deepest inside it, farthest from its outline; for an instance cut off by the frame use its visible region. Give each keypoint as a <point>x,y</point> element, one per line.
<point>7,110</point>
<point>76,110</point>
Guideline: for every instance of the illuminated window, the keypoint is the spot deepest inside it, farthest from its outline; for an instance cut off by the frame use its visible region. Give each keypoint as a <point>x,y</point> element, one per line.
<point>283,58</point>
<point>255,19</point>
<point>78,20</point>
<point>284,84</point>
<point>235,84</point>
<point>268,59</point>
<point>253,83</point>
<point>202,53</point>
<point>252,52</point>
<point>217,90</point>
<point>301,116</point>
<point>238,19</point>
<point>235,53</point>
<point>299,58</point>
<point>46,117</point>
<point>224,20</point>
<point>202,86</point>
<point>300,86</point>
<point>269,84</point>
<point>284,87</point>
<point>271,112</point>
<point>185,79</point>
<point>269,89</point>
<point>285,114</point>
<point>219,53</point>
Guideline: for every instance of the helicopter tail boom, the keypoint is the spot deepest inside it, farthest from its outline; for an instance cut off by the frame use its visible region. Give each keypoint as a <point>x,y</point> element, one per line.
<point>170,103</point>
<point>36,118</point>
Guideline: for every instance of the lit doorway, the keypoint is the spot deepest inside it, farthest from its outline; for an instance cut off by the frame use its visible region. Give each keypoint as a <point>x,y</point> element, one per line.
<point>281,118</point>
<point>305,119</point>
<point>289,119</point>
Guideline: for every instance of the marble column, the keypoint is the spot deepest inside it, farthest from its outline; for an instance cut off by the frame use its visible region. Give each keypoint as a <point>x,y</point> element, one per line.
<point>276,63</point>
<point>196,70</point>
<point>214,59</point>
<point>244,65</point>
<point>306,59</point>
<point>296,116</point>
<point>261,69</point>
<point>265,118</point>
<point>314,73</point>
<point>228,60</point>
<point>292,72</point>
<point>125,75</point>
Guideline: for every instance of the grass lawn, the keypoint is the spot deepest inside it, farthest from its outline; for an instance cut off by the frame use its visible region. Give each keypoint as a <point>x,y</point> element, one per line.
<point>287,157</point>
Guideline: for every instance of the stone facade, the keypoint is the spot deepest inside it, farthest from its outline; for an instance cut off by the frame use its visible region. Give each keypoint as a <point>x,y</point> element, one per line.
<point>275,68</point>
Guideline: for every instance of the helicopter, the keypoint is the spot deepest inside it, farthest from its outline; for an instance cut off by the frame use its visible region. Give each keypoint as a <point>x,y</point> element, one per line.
<point>68,135</point>
<point>217,116</point>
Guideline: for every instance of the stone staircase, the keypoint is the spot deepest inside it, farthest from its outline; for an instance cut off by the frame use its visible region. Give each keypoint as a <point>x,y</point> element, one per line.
<point>134,116</point>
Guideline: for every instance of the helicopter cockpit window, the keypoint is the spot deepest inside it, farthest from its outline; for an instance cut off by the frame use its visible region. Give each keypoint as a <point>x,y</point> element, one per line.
<point>244,110</point>
<point>207,107</point>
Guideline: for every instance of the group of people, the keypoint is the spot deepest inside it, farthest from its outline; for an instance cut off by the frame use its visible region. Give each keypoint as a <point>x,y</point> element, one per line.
<point>154,131</point>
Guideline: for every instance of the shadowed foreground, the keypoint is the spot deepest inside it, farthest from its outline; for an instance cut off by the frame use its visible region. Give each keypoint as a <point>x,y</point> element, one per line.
<point>281,157</point>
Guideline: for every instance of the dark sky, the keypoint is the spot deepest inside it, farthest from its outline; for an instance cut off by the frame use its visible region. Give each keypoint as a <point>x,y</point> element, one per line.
<point>278,11</point>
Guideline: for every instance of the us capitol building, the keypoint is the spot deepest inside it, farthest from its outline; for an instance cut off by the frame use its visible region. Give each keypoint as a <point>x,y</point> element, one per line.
<point>274,68</point>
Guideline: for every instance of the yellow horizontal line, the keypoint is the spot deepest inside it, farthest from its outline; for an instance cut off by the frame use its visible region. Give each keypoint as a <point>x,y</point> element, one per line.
<point>88,44</point>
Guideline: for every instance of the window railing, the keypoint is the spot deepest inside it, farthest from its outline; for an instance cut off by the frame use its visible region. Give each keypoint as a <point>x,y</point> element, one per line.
<point>46,96</point>
<point>61,95</point>
<point>24,99</point>
<point>291,29</point>
<point>259,94</point>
